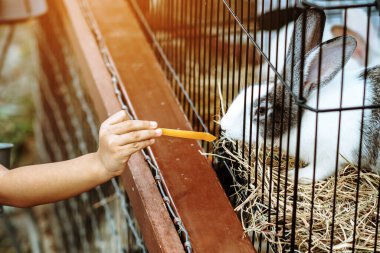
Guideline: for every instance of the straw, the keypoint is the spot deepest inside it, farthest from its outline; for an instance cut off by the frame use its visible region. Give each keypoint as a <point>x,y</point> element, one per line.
<point>263,211</point>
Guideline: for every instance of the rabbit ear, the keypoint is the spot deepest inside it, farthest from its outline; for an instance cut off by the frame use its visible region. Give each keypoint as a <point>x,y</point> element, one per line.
<point>308,31</point>
<point>323,62</point>
<point>360,51</point>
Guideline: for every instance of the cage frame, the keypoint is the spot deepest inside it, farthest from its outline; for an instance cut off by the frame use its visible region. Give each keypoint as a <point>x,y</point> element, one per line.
<point>300,102</point>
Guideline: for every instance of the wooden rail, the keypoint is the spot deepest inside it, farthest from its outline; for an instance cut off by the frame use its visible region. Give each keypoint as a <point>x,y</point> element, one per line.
<point>157,228</point>
<point>194,187</point>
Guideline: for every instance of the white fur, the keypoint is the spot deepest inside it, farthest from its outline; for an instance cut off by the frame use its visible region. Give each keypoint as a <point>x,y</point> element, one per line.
<point>327,128</point>
<point>232,121</point>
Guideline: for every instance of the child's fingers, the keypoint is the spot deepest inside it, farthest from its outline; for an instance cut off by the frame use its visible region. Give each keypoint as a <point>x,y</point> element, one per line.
<point>138,136</point>
<point>132,125</point>
<point>118,117</point>
<point>134,147</point>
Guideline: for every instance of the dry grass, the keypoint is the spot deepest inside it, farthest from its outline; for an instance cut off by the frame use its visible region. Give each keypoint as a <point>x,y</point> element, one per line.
<point>267,205</point>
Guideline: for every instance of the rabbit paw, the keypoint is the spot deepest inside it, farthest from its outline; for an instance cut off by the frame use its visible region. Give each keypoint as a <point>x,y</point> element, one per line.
<point>305,175</point>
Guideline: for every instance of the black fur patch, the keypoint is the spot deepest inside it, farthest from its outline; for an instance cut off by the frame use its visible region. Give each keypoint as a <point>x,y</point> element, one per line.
<point>371,128</point>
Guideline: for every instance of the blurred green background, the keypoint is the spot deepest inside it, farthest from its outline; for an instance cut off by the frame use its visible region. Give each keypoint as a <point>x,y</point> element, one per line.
<point>18,89</point>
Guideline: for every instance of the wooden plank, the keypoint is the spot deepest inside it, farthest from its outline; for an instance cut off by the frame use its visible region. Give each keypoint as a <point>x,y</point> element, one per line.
<point>157,228</point>
<point>200,200</point>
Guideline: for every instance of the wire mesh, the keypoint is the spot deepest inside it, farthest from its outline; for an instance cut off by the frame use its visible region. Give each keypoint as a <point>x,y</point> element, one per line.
<point>213,51</point>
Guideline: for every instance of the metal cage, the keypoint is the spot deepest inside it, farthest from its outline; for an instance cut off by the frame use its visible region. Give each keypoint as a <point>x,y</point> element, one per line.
<point>225,56</point>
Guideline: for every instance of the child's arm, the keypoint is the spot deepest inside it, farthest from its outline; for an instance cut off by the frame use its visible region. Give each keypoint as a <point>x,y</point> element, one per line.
<point>39,184</point>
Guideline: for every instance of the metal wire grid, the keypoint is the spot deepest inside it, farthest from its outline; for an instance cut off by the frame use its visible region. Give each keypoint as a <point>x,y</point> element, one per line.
<point>100,220</point>
<point>186,35</point>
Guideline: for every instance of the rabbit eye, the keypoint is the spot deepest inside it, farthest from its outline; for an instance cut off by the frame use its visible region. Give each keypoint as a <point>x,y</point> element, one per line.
<point>261,111</point>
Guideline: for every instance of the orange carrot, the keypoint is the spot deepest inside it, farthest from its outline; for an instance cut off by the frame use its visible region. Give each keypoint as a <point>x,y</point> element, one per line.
<point>188,134</point>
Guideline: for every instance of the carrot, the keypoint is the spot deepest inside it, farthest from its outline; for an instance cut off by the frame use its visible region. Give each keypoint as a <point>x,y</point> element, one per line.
<point>188,134</point>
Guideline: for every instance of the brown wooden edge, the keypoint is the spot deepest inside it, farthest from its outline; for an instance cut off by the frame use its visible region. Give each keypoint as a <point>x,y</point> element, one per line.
<point>156,226</point>
<point>199,198</point>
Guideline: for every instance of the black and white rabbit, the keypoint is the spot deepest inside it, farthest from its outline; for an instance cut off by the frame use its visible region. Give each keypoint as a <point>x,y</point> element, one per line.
<point>317,132</point>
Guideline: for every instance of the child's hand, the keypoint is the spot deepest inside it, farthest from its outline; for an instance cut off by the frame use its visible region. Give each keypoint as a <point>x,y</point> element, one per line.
<point>119,138</point>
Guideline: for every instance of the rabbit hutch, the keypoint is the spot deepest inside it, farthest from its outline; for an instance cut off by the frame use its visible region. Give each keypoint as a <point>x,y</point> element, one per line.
<point>289,87</point>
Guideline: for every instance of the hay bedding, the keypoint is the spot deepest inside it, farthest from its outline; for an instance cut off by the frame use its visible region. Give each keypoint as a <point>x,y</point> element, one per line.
<point>262,208</point>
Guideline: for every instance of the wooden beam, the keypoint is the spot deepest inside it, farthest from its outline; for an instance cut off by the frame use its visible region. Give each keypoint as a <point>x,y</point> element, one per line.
<point>156,226</point>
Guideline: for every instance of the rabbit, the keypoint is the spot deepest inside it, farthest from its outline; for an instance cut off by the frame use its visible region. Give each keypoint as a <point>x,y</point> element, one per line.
<point>314,21</point>
<point>267,105</point>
